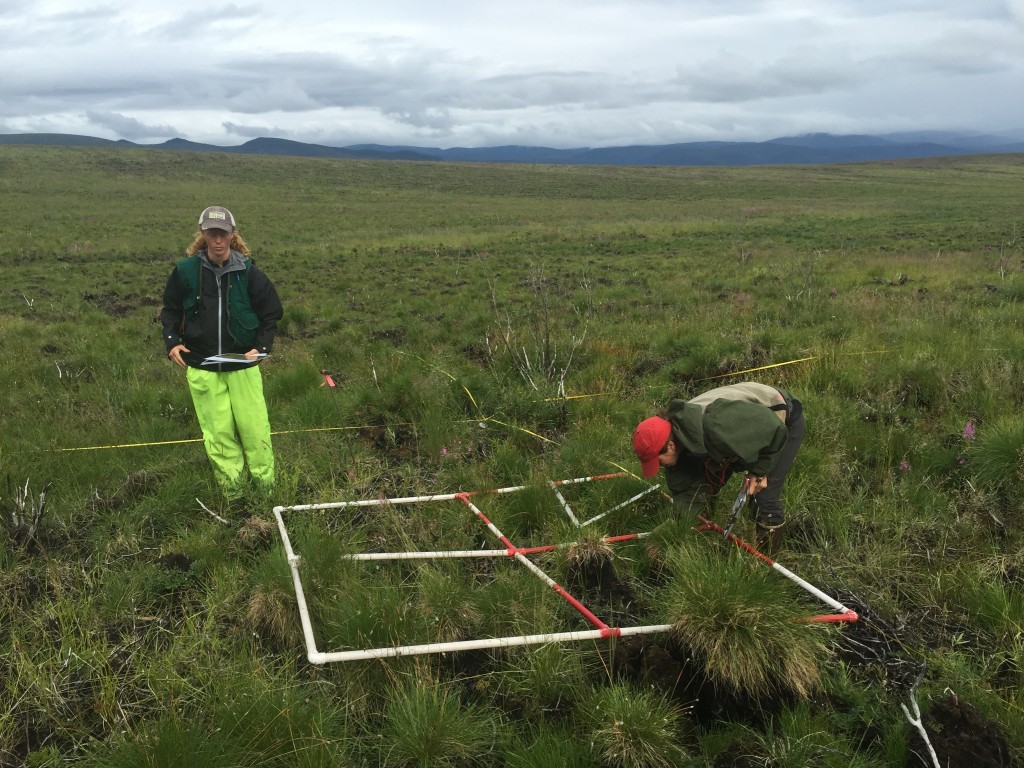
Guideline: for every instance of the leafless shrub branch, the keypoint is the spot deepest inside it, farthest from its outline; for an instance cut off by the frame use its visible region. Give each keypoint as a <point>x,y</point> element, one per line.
<point>26,515</point>
<point>537,338</point>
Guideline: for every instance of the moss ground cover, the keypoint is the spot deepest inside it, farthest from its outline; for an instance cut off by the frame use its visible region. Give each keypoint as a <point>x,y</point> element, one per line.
<point>459,309</point>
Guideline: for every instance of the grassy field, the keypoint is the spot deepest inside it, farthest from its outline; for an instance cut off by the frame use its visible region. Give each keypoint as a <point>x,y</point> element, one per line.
<point>490,326</point>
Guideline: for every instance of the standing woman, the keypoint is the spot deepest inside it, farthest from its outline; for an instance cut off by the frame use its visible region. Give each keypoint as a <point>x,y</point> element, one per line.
<point>218,302</point>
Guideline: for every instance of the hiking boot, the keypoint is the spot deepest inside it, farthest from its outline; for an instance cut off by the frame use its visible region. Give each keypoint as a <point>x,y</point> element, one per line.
<point>768,538</point>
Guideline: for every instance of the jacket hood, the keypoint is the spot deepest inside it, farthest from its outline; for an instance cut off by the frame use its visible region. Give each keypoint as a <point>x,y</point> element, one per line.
<point>235,261</point>
<point>687,428</point>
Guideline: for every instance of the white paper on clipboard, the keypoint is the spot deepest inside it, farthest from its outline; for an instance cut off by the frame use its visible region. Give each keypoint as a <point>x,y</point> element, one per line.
<point>233,357</point>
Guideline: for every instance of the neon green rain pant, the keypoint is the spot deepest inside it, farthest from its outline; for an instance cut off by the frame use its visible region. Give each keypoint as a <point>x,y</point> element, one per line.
<point>236,430</point>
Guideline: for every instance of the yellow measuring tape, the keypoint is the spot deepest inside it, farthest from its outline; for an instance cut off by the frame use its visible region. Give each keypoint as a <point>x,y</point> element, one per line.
<point>471,399</point>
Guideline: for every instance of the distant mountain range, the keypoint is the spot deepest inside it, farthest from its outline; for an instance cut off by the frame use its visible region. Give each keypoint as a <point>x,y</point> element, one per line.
<point>814,148</point>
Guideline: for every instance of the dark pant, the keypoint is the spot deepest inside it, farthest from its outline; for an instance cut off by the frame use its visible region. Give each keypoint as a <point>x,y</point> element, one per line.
<point>768,503</point>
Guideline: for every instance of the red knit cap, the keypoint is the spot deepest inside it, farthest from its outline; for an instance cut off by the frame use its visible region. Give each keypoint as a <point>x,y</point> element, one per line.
<point>649,438</point>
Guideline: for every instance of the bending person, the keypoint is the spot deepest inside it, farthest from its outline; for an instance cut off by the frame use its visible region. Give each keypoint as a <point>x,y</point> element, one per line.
<point>745,427</point>
<point>216,302</point>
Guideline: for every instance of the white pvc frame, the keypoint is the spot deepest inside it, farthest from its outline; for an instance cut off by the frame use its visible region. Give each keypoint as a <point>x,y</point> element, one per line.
<point>600,631</point>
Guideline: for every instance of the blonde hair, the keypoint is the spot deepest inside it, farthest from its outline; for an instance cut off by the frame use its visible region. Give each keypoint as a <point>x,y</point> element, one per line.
<point>199,244</point>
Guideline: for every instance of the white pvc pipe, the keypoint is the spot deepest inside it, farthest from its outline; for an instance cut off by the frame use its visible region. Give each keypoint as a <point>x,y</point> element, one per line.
<point>591,478</point>
<point>374,502</point>
<point>469,553</point>
<point>839,607</point>
<point>536,570</point>
<point>491,642</point>
<point>812,589</point>
<point>428,555</point>
<point>307,628</point>
<point>300,595</point>
<point>564,503</point>
<point>617,507</point>
<point>436,497</point>
<point>317,657</point>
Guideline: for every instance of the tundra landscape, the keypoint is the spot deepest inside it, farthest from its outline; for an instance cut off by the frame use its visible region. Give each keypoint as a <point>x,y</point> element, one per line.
<point>493,326</point>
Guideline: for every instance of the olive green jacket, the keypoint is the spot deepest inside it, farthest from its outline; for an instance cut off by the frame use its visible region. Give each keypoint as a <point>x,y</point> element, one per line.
<point>729,429</point>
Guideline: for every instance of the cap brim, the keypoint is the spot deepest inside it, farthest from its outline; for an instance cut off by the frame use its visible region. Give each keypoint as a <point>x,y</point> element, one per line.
<point>650,466</point>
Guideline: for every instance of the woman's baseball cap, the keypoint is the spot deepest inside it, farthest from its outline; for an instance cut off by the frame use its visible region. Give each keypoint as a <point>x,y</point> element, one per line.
<point>649,438</point>
<point>217,217</point>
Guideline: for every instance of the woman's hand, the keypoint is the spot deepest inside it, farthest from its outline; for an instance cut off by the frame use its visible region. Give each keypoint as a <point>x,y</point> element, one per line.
<point>175,355</point>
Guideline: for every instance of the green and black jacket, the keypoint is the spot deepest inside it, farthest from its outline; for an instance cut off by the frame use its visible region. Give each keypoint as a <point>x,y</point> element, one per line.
<point>214,310</point>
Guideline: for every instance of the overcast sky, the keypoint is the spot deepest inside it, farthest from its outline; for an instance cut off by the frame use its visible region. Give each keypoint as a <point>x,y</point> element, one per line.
<point>557,73</point>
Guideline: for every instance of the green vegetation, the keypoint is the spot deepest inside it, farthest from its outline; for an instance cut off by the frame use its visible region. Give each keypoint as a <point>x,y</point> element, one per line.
<point>744,622</point>
<point>460,309</point>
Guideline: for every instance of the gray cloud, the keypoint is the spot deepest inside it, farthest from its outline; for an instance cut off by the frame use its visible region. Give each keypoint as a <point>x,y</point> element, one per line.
<point>584,72</point>
<point>128,127</point>
<point>434,120</point>
<point>209,20</point>
<point>252,131</point>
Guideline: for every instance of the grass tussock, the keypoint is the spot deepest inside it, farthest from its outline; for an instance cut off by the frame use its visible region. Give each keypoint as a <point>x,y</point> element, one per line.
<point>589,563</point>
<point>427,725</point>
<point>744,624</point>
<point>634,729</point>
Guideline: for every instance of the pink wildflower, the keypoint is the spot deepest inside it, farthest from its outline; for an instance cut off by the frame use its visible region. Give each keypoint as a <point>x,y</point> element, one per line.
<point>969,430</point>
<point>904,466</point>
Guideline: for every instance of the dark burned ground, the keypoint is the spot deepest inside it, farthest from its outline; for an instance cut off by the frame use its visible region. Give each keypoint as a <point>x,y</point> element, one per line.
<point>961,736</point>
<point>120,306</point>
<point>959,733</point>
<point>671,669</point>
<point>658,661</point>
